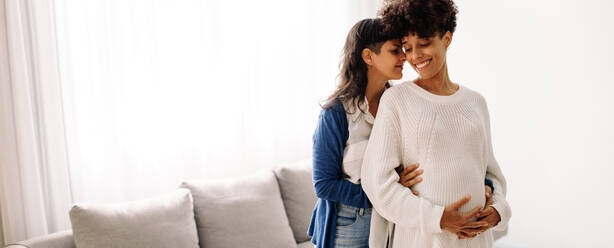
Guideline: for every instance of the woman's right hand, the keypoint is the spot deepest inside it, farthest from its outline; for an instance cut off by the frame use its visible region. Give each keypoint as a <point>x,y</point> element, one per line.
<point>409,176</point>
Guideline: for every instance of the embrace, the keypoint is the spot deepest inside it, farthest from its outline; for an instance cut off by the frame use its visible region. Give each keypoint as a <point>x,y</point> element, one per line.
<point>409,165</point>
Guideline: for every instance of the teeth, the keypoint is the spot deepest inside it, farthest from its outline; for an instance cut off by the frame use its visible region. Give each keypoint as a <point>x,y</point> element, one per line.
<point>423,64</point>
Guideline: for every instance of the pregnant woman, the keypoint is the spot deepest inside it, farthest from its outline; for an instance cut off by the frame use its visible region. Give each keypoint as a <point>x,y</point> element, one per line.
<point>441,124</point>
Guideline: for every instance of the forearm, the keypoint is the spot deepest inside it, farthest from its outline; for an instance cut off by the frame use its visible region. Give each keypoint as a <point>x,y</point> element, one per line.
<point>395,202</point>
<point>342,191</point>
<point>499,195</point>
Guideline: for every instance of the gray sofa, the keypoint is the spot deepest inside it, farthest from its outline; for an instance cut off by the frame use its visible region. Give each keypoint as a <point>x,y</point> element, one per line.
<point>289,193</point>
<point>268,209</point>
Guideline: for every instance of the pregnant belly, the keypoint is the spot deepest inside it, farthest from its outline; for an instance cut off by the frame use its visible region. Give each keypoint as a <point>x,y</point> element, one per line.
<point>445,184</point>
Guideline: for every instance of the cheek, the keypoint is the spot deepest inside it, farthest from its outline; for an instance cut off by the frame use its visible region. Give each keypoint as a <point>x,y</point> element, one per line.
<point>439,54</point>
<point>387,63</point>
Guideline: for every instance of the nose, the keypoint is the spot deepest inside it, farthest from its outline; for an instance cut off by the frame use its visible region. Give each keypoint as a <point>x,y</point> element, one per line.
<point>415,54</point>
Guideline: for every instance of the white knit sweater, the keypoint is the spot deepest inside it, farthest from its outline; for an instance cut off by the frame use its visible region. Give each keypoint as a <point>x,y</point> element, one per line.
<point>450,137</point>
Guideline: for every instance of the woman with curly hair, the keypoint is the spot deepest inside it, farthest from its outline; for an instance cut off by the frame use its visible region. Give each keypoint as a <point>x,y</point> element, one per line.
<point>441,124</point>
<point>342,215</point>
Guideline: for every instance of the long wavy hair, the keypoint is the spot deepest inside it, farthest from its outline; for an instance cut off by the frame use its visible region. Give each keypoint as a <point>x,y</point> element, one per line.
<point>366,33</point>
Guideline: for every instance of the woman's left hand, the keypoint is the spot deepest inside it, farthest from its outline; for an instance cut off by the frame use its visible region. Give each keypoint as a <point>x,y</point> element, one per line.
<point>489,215</point>
<point>465,234</point>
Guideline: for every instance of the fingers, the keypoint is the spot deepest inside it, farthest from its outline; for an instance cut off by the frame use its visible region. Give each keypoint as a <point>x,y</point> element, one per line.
<point>412,182</point>
<point>472,229</point>
<point>461,235</point>
<point>456,205</point>
<point>474,225</point>
<point>409,175</point>
<point>415,192</point>
<point>413,174</point>
<point>488,190</point>
<point>488,195</point>
<point>485,212</point>
<point>471,213</point>
<point>464,235</point>
<point>489,202</point>
<point>410,169</point>
<point>492,217</point>
<point>475,231</point>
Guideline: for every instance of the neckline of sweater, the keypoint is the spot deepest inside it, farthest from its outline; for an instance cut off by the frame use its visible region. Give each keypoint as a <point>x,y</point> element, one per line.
<point>455,97</point>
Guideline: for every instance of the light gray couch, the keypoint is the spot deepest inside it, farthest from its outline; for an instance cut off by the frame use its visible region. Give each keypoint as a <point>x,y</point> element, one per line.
<point>290,188</point>
<point>295,188</point>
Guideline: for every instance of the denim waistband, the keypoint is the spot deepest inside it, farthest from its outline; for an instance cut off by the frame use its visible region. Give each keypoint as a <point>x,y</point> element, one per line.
<point>360,211</point>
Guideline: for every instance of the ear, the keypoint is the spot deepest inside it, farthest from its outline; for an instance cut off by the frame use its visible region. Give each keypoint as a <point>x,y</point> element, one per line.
<point>367,56</point>
<point>447,38</point>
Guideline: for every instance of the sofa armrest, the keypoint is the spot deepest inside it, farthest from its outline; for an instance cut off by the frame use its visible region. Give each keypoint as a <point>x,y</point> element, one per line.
<point>55,240</point>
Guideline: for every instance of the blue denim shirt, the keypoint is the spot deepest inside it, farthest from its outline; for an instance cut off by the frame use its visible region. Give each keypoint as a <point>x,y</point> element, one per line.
<point>331,188</point>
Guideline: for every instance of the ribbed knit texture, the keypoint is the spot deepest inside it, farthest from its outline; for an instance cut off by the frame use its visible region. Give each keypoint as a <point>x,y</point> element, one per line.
<point>450,137</point>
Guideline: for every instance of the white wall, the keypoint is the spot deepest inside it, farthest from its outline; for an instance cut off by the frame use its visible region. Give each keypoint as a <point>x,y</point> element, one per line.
<point>545,69</point>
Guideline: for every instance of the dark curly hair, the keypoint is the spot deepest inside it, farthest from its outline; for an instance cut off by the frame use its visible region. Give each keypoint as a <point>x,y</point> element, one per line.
<point>366,33</point>
<point>426,18</point>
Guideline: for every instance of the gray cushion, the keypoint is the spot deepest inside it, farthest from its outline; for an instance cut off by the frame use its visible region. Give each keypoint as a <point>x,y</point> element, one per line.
<point>242,212</point>
<point>296,185</point>
<point>62,239</point>
<point>306,244</point>
<point>166,221</point>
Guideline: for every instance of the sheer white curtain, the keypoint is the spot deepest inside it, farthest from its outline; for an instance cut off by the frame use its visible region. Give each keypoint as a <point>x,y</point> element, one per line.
<point>151,92</point>
<point>163,91</point>
<point>34,179</point>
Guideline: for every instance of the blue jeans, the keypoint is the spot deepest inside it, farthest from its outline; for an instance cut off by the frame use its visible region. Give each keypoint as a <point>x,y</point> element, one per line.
<point>353,226</point>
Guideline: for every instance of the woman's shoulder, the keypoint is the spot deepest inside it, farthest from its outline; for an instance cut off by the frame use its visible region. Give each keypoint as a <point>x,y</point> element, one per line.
<point>333,107</point>
<point>396,90</point>
<point>474,94</point>
<point>401,94</point>
<point>333,112</point>
<point>476,99</point>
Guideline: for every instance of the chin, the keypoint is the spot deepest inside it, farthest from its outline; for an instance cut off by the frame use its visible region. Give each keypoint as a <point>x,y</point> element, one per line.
<point>425,76</point>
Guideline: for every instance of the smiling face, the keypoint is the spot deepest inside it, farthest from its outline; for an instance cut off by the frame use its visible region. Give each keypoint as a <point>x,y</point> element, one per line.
<point>427,55</point>
<point>389,61</point>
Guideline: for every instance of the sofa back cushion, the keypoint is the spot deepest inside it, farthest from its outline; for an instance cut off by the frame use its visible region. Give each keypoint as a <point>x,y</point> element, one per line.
<point>63,239</point>
<point>163,222</point>
<point>241,212</point>
<point>296,186</point>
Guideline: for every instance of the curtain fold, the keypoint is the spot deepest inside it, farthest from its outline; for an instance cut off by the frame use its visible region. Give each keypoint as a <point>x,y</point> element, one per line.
<point>35,180</point>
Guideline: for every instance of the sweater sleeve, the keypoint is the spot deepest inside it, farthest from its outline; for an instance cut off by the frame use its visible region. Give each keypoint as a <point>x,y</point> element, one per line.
<point>493,172</point>
<point>328,145</point>
<point>392,200</point>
